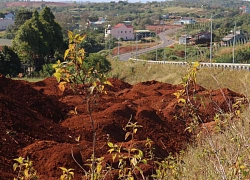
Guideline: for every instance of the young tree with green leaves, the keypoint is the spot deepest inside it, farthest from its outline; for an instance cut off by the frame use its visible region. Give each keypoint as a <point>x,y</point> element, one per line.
<point>74,71</point>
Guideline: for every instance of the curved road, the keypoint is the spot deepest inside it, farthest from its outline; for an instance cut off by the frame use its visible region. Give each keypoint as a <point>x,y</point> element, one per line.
<point>165,42</point>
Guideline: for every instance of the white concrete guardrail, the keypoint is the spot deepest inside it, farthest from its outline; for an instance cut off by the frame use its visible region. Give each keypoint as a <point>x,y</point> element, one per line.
<point>231,66</point>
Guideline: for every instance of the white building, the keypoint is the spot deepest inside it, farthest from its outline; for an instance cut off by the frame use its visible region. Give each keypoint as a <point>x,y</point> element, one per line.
<point>4,23</point>
<point>185,20</point>
<point>126,32</point>
<point>9,16</point>
<point>245,9</point>
<point>97,24</point>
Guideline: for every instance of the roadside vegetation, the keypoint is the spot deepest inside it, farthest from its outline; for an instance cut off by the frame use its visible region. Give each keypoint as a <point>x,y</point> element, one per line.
<point>210,78</point>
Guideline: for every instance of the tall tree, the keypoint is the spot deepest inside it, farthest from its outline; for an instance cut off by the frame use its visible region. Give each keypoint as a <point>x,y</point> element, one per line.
<point>38,39</point>
<point>91,43</point>
<point>9,62</point>
<point>21,16</point>
<point>53,35</point>
<point>29,41</point>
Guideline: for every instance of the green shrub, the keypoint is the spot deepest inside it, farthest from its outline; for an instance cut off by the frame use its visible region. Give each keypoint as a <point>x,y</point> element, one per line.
<point>47,70</point>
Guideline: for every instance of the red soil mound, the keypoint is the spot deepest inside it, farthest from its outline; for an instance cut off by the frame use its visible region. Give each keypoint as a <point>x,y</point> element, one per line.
<point>35,121</point>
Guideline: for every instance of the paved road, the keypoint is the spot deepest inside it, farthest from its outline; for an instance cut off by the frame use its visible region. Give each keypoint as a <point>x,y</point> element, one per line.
<point>165,42</point>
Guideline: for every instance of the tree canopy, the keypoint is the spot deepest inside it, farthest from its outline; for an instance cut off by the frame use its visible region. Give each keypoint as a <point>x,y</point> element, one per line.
<point>21,16</point>
<point>38,39</point>
<point>97,62</point>
<point>92,43</point>
<point>9,62</point>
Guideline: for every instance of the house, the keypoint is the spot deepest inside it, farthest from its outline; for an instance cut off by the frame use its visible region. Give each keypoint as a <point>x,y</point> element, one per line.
<point>143,34</point>
<point>4,23</point>
<point>201,38</point>
<point>127,22</point>
<point>165,16</point>
<point>9,16</point>
<point>185,39</point>
<point>244,9</point>
<point>121,30</point>
<point>178,23</point>
<point>229,39</point>
<point>97,24</point>
<point>185,20</point>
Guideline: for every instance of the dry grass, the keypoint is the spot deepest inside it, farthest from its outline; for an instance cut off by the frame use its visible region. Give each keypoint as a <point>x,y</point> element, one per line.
<point>135,72</point>
<point>223,154</point>
<point>178,9</point>
<point>220,155</point>
<point>229,50</point>
<point>29,79</point>
<point>210,78</point>
<point>236,80</point>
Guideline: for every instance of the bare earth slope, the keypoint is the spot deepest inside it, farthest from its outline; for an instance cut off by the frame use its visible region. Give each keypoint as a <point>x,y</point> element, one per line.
<point>35,122</point>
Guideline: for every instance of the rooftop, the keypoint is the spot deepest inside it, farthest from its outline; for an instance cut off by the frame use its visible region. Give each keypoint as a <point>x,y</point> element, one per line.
<point>121,24</point>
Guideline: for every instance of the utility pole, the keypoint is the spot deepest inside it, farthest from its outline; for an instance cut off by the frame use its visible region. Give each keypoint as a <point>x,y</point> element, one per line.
<point>234,42</point>
<point>132,42</point>
<point>186,46</point>
<point>109,45</point>
<point>156,53</point>
<point>136,39</point>
<point>150,39</point>
<point>118,53</point>
<point>164,56</point>
<point>211,40</point>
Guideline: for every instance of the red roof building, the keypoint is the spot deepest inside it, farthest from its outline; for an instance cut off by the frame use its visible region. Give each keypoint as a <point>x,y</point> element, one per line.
<point>121,30</point>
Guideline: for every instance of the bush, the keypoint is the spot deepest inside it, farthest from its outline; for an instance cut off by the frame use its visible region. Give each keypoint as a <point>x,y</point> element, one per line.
<point>97,61</point>
<point>47,70</point>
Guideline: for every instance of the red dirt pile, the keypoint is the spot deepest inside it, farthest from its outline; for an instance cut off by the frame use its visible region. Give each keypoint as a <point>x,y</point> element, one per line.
<point>35,121</point>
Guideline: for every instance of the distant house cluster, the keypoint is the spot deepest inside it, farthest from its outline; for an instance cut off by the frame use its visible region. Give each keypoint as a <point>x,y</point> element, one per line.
<point>6,21</point>
<point>205,38</point>
<point>199,38</point>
